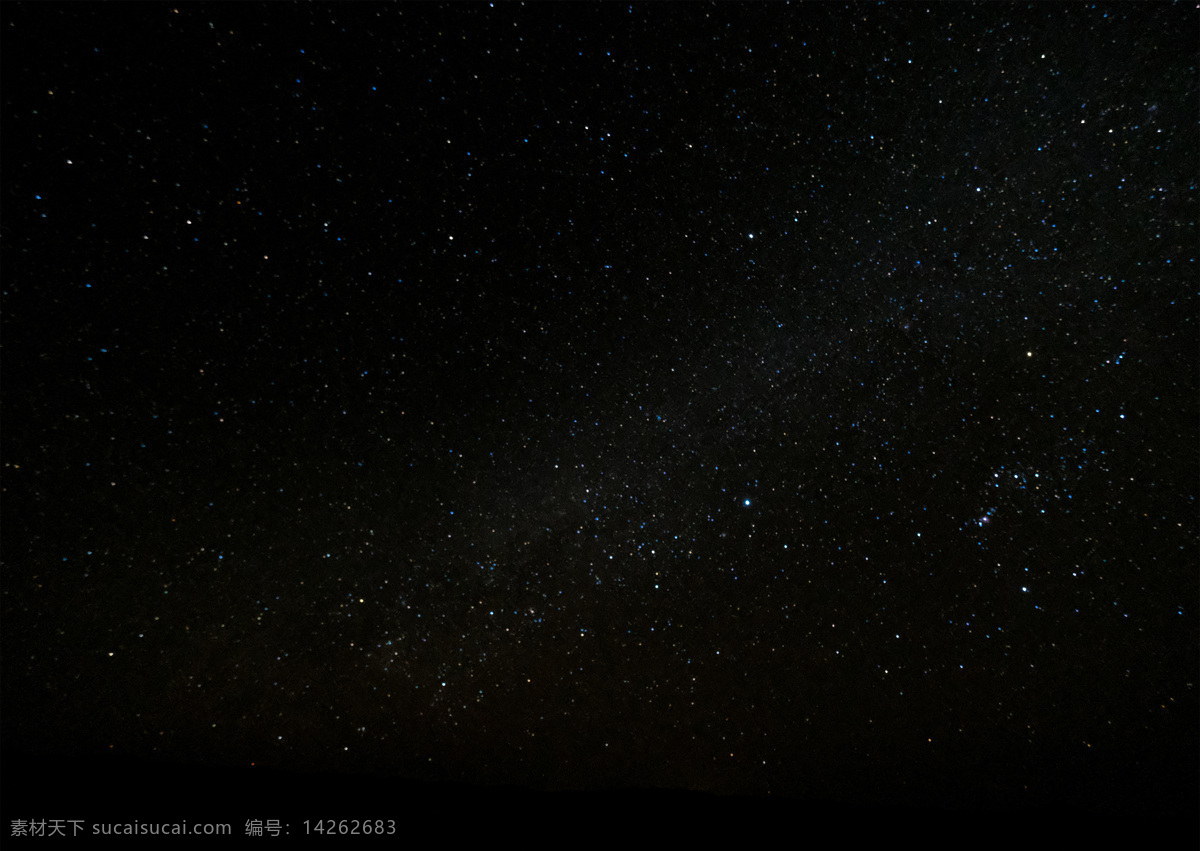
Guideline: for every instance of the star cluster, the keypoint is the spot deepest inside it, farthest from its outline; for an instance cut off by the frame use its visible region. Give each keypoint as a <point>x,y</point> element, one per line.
<point>729,398</point>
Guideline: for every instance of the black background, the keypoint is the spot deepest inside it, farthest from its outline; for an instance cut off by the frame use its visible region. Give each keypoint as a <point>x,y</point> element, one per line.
<point>737,400</point>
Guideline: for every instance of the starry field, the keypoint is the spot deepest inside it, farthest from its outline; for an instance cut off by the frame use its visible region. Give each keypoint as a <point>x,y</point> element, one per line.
<point>729,398</point>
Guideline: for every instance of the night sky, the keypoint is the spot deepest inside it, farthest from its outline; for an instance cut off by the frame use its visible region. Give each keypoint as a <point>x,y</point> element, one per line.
<point>734,400</point>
